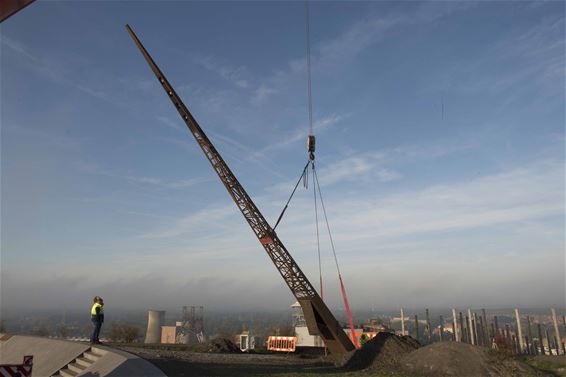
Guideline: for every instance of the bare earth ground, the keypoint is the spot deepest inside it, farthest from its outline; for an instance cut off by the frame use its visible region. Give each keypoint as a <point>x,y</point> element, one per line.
<point>384,355</point>
<point>193,364</point>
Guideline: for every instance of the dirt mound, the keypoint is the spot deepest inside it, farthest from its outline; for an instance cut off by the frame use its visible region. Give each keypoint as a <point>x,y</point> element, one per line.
<point>384,351</point>
<point>460,359</point>
<point>222,345</point>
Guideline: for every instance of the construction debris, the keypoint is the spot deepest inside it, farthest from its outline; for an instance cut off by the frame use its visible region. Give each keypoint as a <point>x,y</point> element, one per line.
<point>222,345</point>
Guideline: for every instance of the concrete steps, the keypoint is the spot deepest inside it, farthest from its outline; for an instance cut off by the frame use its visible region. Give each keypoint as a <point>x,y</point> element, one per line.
<point>63,358</point>
<point>83,361</point>
<point>80,363</point>
<point>76,367</point>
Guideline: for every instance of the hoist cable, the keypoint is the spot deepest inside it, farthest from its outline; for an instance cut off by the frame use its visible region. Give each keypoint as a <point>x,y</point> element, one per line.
<point>342,287</point>
<point>293,193</point>
<point>317,233</point>
<point>306,178</point>
<point>326,219</point>
<point>309,67</point>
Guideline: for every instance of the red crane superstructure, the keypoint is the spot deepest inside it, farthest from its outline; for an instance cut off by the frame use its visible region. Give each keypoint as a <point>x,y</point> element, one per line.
<point>318,317</point>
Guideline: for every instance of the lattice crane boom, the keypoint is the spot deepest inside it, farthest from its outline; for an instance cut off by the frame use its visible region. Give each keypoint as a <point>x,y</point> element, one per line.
<point>320,320</point>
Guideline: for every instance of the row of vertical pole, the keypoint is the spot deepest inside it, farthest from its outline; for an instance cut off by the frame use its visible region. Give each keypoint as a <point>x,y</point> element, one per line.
<point>477,329</point>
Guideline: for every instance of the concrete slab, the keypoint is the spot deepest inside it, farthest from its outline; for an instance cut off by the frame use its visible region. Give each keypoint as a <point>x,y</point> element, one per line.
<point>117,363</point>
<point>49,355</point>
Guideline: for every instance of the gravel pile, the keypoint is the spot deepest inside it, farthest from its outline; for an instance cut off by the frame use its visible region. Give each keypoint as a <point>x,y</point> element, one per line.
<point>461,359</point>
<point>384,351</point>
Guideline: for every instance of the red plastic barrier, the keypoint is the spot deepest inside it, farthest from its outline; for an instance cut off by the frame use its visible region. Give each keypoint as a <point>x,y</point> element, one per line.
<point>18,370</point>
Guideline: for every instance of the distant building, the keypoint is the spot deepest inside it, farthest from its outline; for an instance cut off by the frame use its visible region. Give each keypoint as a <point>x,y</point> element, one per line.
<point>169,334</point>
<point>174,334</point>
<point>245,342</point>
<point>304,339</point>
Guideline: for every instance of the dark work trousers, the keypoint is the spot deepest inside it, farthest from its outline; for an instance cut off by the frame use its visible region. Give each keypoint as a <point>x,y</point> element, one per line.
<point>96,331</point>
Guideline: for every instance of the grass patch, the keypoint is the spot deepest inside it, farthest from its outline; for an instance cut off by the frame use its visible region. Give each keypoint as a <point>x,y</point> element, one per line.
<point>554,365</point>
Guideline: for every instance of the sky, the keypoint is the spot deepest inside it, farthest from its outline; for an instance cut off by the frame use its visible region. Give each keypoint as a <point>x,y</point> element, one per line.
<point>440,153</point>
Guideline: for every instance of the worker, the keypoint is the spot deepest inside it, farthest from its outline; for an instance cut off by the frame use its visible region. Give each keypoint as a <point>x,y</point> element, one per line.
<point>97,318</point>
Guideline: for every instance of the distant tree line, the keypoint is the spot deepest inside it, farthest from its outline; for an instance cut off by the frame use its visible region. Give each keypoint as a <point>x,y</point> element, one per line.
<point>124,333</point>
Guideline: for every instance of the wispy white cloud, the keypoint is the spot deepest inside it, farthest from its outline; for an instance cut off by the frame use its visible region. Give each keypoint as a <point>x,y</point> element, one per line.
<point>522,194</point>
<point>91,168</point>
<point>539,3</point>
<point>139,84</point>
<point>93,92</point>
<point>378,232</point>
<point>42,136</point>
<point>234,75</point>
<point>542,38</point>
<point>381,165</point>
<point>201,222</point>
<point>352,167</point>
<point>337,52</point>
<point>329,53</point>
<point>430,11</point>
<point>522,57</point>
<point>54,72</point>
<point>234,150</point>
<point>368,217</point>
<point>17,47</point>
<point>168,122</point>
<point>173,184</point>
<point>242,153</point>
<point>180,142</point>
<point>261,93</point>
<point>375,235</point>
<point>300,133</point>
<point>212,100</point>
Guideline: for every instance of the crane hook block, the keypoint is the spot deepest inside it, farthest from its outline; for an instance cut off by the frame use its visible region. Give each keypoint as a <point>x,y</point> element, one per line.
<point>311,146</point>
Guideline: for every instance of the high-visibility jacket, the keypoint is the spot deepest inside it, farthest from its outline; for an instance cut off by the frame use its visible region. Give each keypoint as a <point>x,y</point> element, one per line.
<point>93,310</point>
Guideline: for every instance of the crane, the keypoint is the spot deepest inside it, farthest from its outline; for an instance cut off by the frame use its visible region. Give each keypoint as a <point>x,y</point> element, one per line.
<point>319,319</point>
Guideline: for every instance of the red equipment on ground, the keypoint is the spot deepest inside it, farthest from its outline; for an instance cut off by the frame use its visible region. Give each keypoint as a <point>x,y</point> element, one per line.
<point>282,343</point>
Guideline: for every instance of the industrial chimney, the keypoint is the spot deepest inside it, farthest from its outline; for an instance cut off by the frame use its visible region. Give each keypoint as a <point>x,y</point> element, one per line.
<point>155,319</point>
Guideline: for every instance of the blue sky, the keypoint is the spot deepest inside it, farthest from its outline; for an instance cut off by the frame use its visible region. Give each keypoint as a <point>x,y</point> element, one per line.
<point>104,191</point>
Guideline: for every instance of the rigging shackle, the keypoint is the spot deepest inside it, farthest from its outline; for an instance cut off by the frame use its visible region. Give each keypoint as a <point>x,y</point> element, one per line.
<point>311,146</point>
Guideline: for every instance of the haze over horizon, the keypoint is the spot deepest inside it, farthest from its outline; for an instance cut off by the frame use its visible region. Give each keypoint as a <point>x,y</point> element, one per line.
<point>440,151</point>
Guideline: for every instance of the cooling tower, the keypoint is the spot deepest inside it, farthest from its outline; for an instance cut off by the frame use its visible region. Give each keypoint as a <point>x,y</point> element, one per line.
<point>155,319</point>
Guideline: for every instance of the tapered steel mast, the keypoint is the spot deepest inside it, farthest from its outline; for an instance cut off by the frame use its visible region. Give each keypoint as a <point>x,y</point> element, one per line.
<point>318,317</point>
